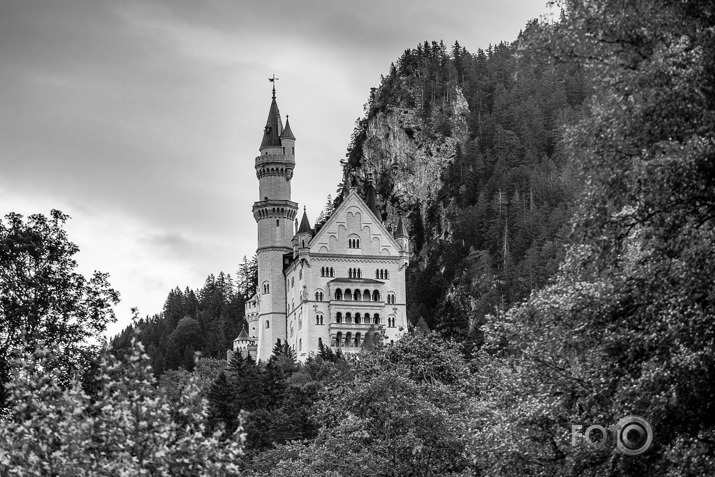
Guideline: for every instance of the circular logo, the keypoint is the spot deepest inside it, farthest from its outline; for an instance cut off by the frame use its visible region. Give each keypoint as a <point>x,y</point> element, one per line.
<point>633,435</point>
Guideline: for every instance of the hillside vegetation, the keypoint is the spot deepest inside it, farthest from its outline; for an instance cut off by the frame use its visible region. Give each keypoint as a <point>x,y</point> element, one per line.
<point>560,192</point>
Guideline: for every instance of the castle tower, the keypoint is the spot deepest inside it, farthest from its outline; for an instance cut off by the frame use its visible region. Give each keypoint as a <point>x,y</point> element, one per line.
<point>274,213</point>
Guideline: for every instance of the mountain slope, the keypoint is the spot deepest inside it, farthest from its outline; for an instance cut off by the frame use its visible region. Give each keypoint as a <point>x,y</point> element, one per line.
<point>467,147</point>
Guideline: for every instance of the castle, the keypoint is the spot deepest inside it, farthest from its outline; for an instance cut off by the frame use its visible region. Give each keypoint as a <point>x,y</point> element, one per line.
<point>326,285</point>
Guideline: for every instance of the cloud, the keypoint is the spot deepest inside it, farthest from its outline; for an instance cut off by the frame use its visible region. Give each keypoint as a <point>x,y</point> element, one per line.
<point>142,120</point>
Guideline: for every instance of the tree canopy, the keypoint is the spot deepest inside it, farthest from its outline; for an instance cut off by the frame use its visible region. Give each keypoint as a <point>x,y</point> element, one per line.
<point>43,299</point>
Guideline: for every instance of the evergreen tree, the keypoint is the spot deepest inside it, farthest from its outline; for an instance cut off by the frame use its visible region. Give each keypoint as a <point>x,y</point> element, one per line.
<point>223,407</point>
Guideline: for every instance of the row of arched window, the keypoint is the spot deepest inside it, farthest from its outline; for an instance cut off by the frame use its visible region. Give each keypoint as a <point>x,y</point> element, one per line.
<point>327,272</point>
<point>356,295</point>
<point>382,274</point>
<point>365,295</point>
<point>271,171</point>
<point>353,243</point>
<point>348,341</point>
<point>265,212</point>
<point>357,318</point>
<point>354,273</point>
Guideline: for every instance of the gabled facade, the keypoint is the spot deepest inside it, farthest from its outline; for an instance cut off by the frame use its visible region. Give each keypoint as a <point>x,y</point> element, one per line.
<point>328,286</point>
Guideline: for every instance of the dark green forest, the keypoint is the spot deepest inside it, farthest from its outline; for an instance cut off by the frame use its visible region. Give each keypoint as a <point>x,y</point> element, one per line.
<point>204,321</point>
<point>497,227</point>
<point>562,277</point>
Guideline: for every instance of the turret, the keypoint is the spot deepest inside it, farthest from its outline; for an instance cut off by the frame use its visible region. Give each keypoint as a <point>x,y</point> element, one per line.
<point>401,236</point>
<point>274,213</point>
<point>305,233</point>
<point>288,140</point>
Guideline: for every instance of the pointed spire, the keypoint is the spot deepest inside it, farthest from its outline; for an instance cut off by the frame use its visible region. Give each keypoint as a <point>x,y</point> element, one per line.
<point>243,335</point>
<point>274,125</point>
<point>400,232</point>
<point>287,133</point>
<point>304,224</point>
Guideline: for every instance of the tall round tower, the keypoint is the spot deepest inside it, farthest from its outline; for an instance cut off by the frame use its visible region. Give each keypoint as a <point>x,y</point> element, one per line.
<point>274,213</point>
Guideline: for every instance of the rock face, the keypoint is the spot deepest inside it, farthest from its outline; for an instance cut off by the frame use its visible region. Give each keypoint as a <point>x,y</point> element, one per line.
<point>407,153</point>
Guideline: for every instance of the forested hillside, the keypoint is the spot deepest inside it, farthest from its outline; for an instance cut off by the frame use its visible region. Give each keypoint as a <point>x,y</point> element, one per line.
<point>561,197</point>
<point>206,321</point>
<point>487,126</point>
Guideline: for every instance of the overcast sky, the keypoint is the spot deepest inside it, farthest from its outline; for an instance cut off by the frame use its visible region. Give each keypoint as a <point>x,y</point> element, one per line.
<point>142,119</point>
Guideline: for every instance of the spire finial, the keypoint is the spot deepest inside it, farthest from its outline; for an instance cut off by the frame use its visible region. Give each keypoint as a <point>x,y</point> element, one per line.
<point>273,80</point>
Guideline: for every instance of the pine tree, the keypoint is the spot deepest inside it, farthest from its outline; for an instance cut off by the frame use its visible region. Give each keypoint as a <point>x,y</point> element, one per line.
<point>223,407</point>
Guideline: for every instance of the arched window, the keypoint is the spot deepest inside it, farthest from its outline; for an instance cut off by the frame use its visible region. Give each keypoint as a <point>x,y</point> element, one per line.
<point>348,318</point>
<point>366,295</point>
<point>338,317</point>
<point>319,319</point>
<point>390,298</point>
<point>338,294</point>
<point>357,340</point>
<point>322,271</point>
<point>348,294</point>
<point>332,272</point>
<point>319,295</point>
<point>376,318</point>
<point>350,272</point>
<point>354,242</point>
<point>387,275</point>
<point>375,295</point>
<point>291,328</point>
<point>348,339</point>
<point>357,318</point>
<point>266,288</point>
<point>339,339</point>
<point>356,295</point>
<point>300,344</point>
<point>268,324</point>
<point>278,223</point>
<point>377,273</point>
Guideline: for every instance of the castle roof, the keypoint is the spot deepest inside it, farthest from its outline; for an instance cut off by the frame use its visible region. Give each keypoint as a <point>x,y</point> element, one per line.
<point>353,199</point>
<point>304,224</point>
<point>274,127</point>
<point>243,335</point>
<point>287,133</point>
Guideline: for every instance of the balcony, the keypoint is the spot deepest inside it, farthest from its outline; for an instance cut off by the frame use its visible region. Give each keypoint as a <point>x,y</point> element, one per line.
<point>349,327</point>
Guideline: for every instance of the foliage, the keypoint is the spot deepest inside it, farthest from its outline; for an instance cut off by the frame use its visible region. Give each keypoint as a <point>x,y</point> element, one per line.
<point>129,428</point>
<point>43,298</point>
<point>397,412</point>
<point>496,229</point>
<point>205,321</point>
<point>627,327</point>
